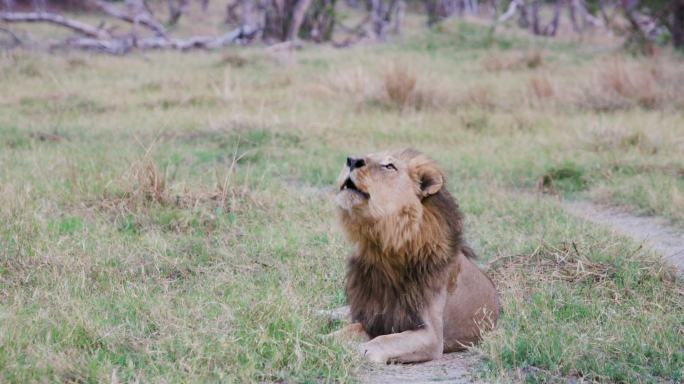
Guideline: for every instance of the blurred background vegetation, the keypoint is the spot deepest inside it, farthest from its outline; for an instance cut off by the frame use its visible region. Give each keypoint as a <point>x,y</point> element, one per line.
<point>167,171</point>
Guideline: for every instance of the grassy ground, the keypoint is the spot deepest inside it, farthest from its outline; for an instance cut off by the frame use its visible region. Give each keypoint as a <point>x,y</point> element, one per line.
<point>168,217</point>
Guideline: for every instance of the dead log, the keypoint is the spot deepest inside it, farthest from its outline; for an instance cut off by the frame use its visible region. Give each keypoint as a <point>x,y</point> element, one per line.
<point>124,45</point>
<point>53,18</point>
<point>99,40</point>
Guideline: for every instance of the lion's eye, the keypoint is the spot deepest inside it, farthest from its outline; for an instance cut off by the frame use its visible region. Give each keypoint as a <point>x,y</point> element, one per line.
<point>389,166</point>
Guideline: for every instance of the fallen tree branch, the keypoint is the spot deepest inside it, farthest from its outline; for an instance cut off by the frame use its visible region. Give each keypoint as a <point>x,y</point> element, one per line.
<point>510,12</point>
<point>98,39</point>
<point>15,39</point>
<point>125,45</point>
<point>141,17</point>
<point>53,18</point>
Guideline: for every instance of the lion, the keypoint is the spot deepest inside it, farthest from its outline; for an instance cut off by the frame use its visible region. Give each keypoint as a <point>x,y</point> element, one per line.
<point>412,287</point>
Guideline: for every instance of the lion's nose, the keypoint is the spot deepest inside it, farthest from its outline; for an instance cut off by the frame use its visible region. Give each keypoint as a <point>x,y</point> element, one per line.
<point>353,163</point>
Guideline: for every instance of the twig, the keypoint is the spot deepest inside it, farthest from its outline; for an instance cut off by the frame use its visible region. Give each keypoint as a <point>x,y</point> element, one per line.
<point>142,18</point>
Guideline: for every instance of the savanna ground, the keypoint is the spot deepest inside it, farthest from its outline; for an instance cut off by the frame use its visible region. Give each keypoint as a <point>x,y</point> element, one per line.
<point>167,217</point>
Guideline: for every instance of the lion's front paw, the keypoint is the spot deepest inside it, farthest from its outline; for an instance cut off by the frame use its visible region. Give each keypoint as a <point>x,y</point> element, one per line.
<point>373,353</point>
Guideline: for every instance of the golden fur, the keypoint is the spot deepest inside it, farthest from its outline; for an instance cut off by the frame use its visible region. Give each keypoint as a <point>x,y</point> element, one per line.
<point>405,280</point>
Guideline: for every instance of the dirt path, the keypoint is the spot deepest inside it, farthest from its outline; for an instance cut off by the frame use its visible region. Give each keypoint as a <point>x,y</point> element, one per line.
<point>453,368</point>
<point>654,232</point>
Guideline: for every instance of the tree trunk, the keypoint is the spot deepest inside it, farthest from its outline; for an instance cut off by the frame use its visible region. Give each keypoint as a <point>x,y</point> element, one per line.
<point>297,18</point>
<point>573,9</point>
<point>552,28</point>
<point>536,29</point>
<point>602,9</point>
<point>319,21</point>
<point>439,10</point>
<point>176,9</point>
<point>284,20</point>
<point>431,9</point>
<point>377,20</point>
<point>678,24</point>
<point>39,5</point>
<point>398,17</point>
<point>524,20</point>
<point>9,4</point>
<point>384,16</point>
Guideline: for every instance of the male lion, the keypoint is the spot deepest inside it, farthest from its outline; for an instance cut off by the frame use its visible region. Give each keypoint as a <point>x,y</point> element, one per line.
<point>412,288</point>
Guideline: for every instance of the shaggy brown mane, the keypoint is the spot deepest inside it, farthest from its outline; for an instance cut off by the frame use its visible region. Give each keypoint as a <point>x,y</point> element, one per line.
<point>388,285</point>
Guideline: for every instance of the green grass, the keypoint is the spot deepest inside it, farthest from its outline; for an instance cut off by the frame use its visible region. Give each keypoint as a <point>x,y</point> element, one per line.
<point>168,217</point>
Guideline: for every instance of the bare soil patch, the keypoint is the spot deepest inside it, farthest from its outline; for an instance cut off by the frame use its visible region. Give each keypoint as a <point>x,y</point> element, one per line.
<point>452,368</point>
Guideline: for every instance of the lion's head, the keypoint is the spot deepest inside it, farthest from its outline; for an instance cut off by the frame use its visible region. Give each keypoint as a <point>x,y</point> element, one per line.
<point>397,199</point>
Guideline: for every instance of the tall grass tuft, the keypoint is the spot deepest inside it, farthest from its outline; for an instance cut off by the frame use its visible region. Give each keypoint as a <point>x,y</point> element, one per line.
<point>400,85</point>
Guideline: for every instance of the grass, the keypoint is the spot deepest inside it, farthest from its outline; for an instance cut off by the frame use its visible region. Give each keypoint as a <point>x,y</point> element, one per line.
<point>168,218</point>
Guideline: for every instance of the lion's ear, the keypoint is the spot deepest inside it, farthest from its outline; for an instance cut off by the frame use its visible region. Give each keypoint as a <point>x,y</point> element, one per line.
<point>429,177</point>
<point>431,182</point>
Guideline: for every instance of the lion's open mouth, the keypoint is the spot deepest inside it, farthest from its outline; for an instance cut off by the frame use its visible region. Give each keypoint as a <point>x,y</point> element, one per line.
<point>350,186</point>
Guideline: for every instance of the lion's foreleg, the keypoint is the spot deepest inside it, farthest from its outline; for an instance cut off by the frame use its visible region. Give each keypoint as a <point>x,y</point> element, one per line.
<point>413,346</point>
<point>404,347</point>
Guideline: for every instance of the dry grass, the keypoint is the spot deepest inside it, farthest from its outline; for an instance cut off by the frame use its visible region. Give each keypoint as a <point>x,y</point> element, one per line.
<point>497,62</point>
<point>352,84</point>
<point>400,84</point>
<point>480,96</point>
<point>405,89</point>
<point>541,87</point>
<point>568,262</point>
<point>146,182</point>
<point>620,84</point>
<point>537,288</point>
<point>398,87</point>
<point>622,138</point>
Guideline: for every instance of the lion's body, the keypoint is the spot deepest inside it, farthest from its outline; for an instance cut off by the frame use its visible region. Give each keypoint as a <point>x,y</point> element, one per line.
<point>411,284</point>
<point>472,307</point>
